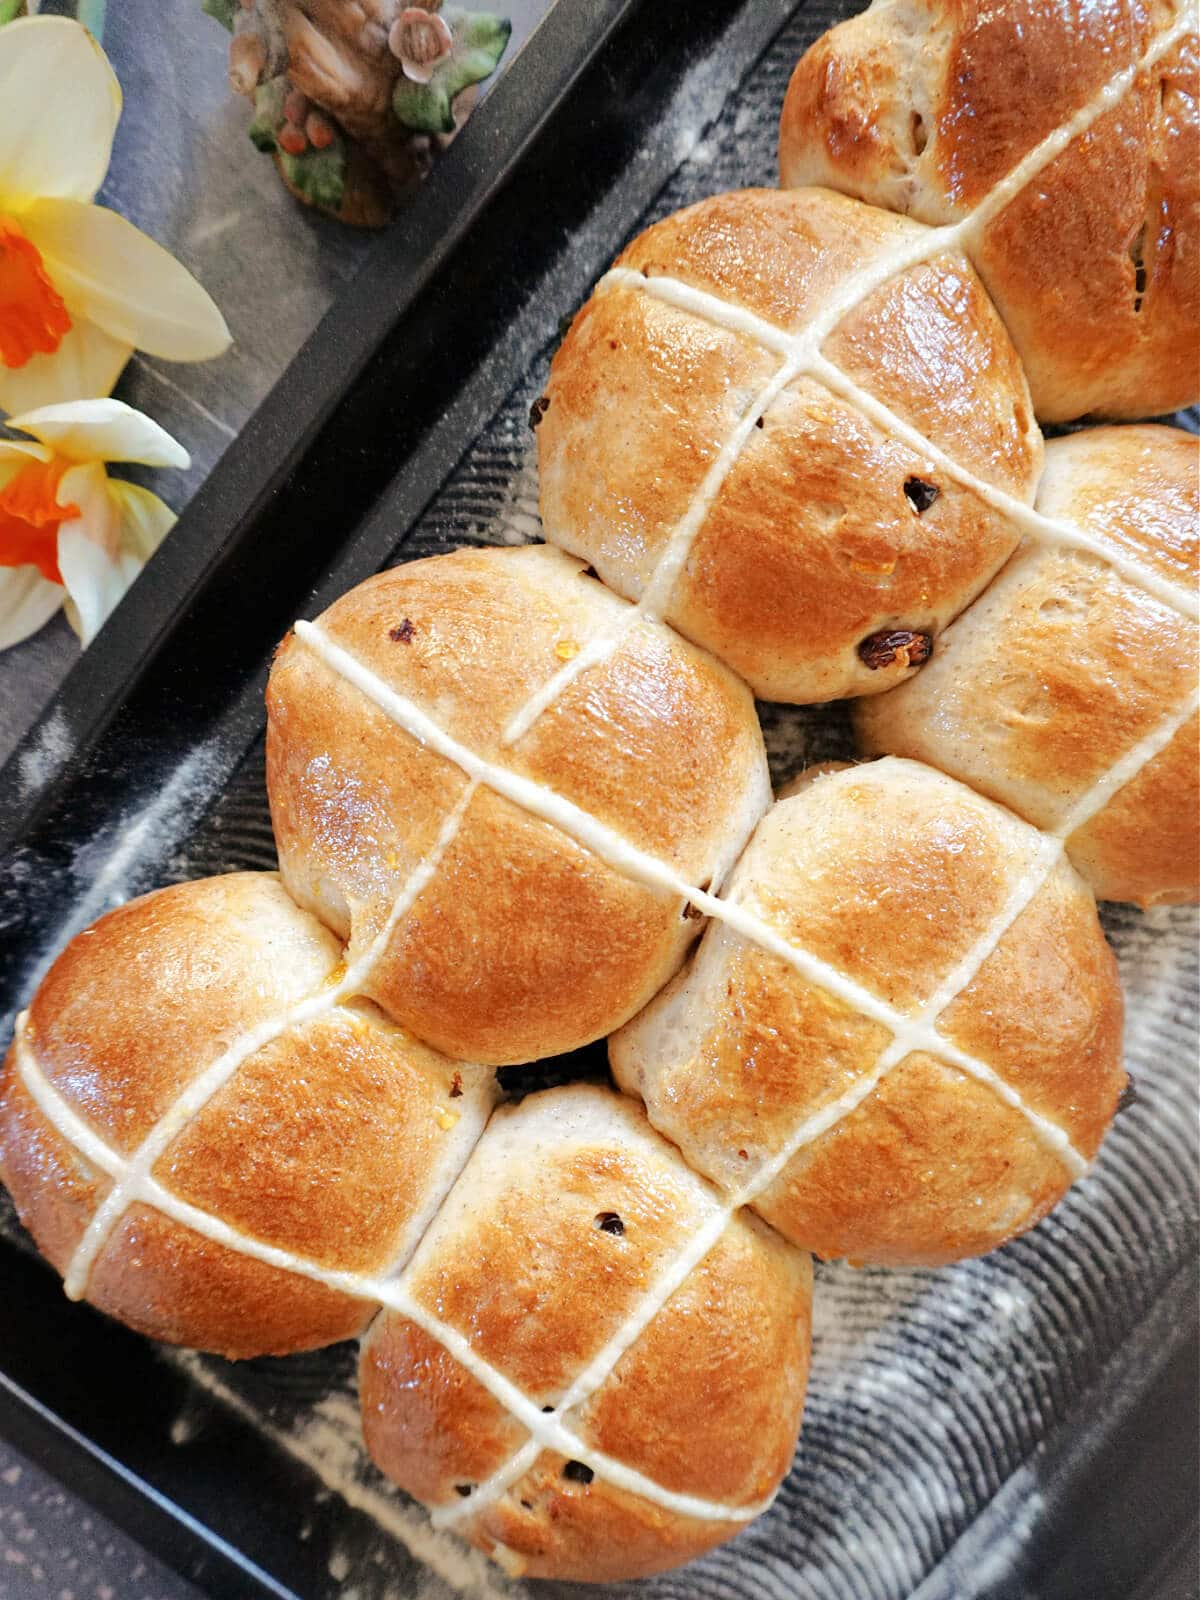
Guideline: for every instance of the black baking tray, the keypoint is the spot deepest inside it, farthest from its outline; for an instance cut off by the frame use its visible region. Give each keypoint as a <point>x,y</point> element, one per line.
<point>399,430</point>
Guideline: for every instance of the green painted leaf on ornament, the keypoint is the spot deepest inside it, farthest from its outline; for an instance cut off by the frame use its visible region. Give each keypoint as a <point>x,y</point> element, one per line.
<point>479,30</point>
<point>479,42</point>
<point>225,11</point>
<point>268,113</point>
<point>319,175</point>
<point>423,107</point>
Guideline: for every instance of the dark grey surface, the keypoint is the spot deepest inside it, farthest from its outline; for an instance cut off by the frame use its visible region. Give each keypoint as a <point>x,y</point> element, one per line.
<point>184,170</point>
<point>52,1547</point>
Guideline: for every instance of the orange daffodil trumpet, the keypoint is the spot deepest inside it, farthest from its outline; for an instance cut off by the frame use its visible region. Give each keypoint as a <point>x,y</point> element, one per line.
<point>80,288</point>
<point>69,534</point>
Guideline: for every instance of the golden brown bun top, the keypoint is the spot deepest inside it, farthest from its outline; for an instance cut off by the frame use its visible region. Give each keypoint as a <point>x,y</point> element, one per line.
<point>155,991</point>
<point>487,629</point>
<point>523,939</point>
<point>900,880</point>
<point>552,1244</point>
<point>928,343</point>
<point>782,256</point>
<point>325,1132</point>
<point>797,541</point>
<point>1137,487</point>
<point>1058,673</point>
<point>930,106</point>
<point>924,109</point>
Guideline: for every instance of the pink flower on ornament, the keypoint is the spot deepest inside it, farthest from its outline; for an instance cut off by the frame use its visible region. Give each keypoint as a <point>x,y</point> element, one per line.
<point>420,40</point>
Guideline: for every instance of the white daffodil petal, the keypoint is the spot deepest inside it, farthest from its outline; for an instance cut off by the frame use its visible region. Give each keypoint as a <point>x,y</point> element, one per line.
<point>27,602</point>
<point>87,362</point>
<point>95,569</point>
<point>59,107</point>
<point>102,551</point>
<point>87,487</point>
<point>18,453</point>
<point>102,430</point>
<point>95,581</point>
<point>145,520</point>
<point>109,272</point>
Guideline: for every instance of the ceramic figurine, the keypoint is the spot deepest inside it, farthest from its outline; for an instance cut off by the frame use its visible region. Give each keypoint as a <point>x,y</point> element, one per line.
<point>353,97</point>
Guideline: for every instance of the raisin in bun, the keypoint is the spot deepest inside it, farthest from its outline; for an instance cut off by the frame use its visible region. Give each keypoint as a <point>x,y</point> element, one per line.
<point>1092,251</point>
<point>656,1343</point>
<point>205,1134</point>
<point>940,1060</point>
<point>760,500</point>
<point>500,936</point>
<point>1068,692</point>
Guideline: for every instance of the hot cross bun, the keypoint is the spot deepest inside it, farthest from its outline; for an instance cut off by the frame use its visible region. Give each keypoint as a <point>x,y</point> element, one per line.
<point>1067,691</point>
<point>922,1051</point>
<point>719,437</point>
<point>930,107</point>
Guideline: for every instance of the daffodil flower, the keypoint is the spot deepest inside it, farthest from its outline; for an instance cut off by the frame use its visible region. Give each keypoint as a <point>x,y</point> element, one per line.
<point>69,534</point>
<point>80,288</point>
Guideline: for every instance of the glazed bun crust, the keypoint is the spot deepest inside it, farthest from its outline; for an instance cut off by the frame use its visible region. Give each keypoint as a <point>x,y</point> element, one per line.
<point>922,108</point>
<point>811,544</point>
<point>892,874</point>
<point>705,1401</point>
<point>169,958</point>
<point>332,1142</point>
<point>1062,667</point>
<point>523,943</point>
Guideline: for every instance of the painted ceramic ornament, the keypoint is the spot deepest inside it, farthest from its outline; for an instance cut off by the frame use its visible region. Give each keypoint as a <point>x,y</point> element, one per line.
<point>353,98</point>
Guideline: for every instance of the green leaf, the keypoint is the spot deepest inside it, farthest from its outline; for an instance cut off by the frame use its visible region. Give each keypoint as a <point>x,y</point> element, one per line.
<point>319,175</point>
<point>423,107</point>
<point>268,112</point>
<point>225,11</point>
<point>479,30</point>
<point>480,40</point>
<point>10,10</point>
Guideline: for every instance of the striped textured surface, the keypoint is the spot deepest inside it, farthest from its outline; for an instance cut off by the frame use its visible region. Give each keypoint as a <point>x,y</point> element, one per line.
<point>931,1391</point>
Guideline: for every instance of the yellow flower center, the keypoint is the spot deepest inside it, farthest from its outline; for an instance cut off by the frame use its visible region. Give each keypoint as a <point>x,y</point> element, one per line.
<point>33,317</point>
<point>30,516</point>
